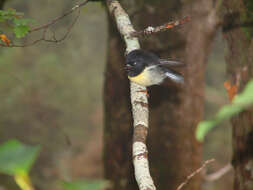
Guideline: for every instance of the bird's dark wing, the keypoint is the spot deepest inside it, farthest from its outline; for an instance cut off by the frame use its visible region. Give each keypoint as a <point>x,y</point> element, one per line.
<point>170,63</point>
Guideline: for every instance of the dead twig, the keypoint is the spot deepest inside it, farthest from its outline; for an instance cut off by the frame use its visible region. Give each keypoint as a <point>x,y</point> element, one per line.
<point>152,30</point>
<point>59,17</point>
<point>194,173</point>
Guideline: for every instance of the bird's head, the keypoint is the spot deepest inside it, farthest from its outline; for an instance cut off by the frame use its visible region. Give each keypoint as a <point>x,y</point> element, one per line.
<point>134,64</point>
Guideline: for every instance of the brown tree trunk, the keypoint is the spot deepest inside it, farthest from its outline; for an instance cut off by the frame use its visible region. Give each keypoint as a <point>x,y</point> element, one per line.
<point>174,111</point>
<point>240,70</point>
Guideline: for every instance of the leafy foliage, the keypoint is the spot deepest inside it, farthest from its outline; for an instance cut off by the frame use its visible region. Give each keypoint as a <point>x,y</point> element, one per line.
<point>18,24</point>
<point>9,15</point>
<point>84,185</point>
<point>21,27</point>
<point>239,103</point>
<point>17,158</point>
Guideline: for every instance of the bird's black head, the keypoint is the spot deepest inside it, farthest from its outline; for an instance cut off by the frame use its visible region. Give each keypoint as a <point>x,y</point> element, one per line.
<point>134,66</point>
<point>137,60</point>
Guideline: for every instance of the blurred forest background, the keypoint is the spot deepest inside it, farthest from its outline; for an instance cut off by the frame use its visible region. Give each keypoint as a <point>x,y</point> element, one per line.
<point>52,94</point>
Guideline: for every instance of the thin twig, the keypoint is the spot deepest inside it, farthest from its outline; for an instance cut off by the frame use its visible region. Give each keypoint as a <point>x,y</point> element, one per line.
<point>59,17</point>
<point>66,34</point>
<point>194,173</point>
<point>152,30</point>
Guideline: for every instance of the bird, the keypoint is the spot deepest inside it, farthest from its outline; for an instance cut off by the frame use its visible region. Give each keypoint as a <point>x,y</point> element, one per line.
<point>146,68</point>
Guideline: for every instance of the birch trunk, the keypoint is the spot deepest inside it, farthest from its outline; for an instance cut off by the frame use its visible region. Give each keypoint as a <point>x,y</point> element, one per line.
<point>174,111</point>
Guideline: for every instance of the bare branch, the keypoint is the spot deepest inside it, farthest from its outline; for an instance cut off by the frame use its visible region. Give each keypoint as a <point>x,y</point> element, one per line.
<point>139,103</point>
<point>59,17</point>
<point>194,173</point>
<point>152,30</point>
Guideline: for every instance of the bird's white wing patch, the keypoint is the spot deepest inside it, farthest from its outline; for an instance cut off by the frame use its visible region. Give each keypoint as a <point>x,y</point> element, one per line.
<point>175,77</point>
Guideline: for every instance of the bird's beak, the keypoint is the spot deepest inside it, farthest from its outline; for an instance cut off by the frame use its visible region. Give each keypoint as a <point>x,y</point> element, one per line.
<point>128,67</point>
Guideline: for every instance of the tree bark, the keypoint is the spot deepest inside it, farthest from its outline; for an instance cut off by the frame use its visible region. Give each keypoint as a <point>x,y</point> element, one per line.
<point>240,70</point>
<point>2,4</point>
<point>174,111</point>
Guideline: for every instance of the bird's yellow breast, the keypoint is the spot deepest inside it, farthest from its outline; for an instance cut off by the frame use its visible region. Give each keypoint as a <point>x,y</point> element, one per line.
<point>143,78</point>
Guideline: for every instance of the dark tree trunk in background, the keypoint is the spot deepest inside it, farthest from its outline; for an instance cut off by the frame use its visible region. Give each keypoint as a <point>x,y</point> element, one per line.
<point>174,111</point>
<point>240,68</point>
<point>2,4</point>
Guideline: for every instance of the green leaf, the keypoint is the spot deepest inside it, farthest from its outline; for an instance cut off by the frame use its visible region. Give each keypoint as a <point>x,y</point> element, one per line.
<point>84,185</point>
<point>10,14</point>
<point>203,128</point>
<point>240,103</point>
<point>17,158</point>
<point>246,97</point>
<point>22,21</point>
<point>19,25</point>
<point>21,30</point>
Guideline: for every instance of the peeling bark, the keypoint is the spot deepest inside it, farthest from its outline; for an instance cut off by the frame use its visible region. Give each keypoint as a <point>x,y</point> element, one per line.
<point>240,70</point>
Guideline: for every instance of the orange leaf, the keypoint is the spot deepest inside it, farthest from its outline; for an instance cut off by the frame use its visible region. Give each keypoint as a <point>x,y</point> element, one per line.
<point>231,90</point>
<point>4,38</point>
<point>169,26</point>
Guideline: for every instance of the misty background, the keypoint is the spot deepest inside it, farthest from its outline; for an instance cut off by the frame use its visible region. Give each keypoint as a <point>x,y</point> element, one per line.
<point>51,94</point>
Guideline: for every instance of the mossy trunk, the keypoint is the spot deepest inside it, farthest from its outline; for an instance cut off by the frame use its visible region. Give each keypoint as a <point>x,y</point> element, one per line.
<point>174,111</point>
<point>238,34</point>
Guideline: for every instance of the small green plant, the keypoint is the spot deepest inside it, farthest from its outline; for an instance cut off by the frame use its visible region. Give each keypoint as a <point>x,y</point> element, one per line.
<point>17,24</point>
<point>84,185</point>
<point>16,159</point>
<point>241,102</point>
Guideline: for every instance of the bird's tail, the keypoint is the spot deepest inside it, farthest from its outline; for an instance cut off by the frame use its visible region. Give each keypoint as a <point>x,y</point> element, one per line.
<point>174,76</point>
